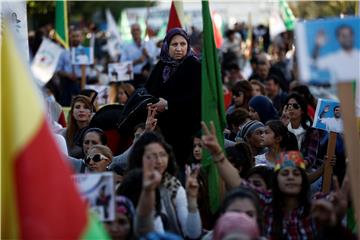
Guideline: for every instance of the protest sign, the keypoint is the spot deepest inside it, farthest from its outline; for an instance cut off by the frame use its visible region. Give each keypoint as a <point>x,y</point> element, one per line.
<point>328,50</point>
<point>114,39</point>
<point>98,191</point>
<point>45,61</point>
<point>14,12</point>
<point>328,116</point>
<point>103,93</point>
<point>120,71</point>
<point>82,55</point>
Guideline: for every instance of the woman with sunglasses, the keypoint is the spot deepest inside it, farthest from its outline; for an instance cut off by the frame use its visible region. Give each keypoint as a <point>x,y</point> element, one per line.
<point>91,137</point>
<point>300,121</point>
<point>98,158</point>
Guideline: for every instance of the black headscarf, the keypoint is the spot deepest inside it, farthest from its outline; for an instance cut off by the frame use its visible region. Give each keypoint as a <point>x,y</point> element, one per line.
<point>171,64</point>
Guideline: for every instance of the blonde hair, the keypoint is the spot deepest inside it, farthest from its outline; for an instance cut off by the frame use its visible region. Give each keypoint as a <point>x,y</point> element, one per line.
<point>104,150</point>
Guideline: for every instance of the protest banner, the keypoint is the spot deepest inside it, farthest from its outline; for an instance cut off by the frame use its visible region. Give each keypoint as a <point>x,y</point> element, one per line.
<point>328,52</point>
<point>122,71</point>
<point>82,56</point>
<point>114,39</point>
<point>328,118</point>
<point>14,12</point>
<point>98,191</point>
<point>45,60</point>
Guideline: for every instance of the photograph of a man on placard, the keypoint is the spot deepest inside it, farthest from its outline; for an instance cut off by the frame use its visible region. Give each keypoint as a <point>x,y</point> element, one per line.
<point>328,116</point>
<point>329,50</point>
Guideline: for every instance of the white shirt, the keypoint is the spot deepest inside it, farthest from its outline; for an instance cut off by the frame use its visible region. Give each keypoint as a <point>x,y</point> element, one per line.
<point>132,52</point>
<point>298,132</point>
<point>342,65</point>
<point>333,124</point>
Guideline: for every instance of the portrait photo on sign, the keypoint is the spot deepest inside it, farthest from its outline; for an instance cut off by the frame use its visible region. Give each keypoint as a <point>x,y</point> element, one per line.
<point>97,189</point>
<point>82,56</point>
<point>328,116</point>
<point>328,50</point>
<point>120,71</point>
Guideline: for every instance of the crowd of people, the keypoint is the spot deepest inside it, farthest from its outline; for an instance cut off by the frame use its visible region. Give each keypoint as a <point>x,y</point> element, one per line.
<point>273,160</point>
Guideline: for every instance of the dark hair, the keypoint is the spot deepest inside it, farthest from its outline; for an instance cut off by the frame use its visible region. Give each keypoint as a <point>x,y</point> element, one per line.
<point>273,77</point>
<point>237,117</point>
<point>336,106</point>
<point>264,172</point>
<point>136,155</point>
<point>131,187</point>
<point>243,193</point>
<point>341,27</point>
<point>288,140</point>
<point>304,91</point>
<point>245,87</point>
<point>278,203</point>
<point>303,106</point>
<point>100,132</point>
<point>240,155</point>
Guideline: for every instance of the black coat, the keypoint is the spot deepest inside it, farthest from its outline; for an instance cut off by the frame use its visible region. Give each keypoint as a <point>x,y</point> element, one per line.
<point>183,92</point>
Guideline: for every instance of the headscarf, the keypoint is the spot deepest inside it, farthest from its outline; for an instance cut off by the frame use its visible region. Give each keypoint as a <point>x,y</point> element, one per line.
<point>124,206</point>
<point>171,64</point>
<point>235,224</point>
<point>264,107</point>
<point>292,159</point>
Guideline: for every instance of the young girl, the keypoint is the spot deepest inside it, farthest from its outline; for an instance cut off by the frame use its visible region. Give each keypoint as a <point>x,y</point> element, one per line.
<point>276,138</point>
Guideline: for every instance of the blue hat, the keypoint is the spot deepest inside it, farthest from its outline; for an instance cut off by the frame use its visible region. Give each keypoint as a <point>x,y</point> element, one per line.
<point>248,128</point>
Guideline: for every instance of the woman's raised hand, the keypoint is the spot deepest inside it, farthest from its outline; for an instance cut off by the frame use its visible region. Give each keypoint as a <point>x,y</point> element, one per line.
<point>151,177</point>
<point>192,185</point>
<point>151,121</point>
<point>209,138</point>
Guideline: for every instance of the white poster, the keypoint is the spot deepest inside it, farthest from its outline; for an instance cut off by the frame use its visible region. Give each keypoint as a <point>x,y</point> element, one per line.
<point>14,13</point>
<point>45,60</point>
<point>120,71</point>
<point>114,39</point>
<point>328,50</point>
<point>98,191</point>
<point>82,55</point>
<point>328,116</point>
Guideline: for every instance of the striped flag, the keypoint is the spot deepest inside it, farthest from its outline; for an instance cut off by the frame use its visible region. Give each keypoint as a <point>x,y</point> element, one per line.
<point>212,99</point>
<point>175,15</point>
<point>287,15</point>
<point>39,199</point>
<point>61,23</point>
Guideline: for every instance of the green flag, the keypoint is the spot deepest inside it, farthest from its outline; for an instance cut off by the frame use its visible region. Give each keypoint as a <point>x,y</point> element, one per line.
<point>212,102</point>
<point>287,15</point>
<point>61,23</point>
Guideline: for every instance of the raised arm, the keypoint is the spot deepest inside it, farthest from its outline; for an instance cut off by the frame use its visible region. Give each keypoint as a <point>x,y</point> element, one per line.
<point>227,171</point>
<point>145,211</point>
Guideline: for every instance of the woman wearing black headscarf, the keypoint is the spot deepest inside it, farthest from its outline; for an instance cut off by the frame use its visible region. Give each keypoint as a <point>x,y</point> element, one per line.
<point>176,81</point>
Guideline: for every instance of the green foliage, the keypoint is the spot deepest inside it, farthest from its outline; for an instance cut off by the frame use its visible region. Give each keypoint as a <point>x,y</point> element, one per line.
<point>321,9</point>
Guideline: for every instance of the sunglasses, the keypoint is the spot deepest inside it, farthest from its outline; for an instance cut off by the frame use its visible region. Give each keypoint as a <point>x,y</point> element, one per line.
<point>96,158</point>
<point>293,105</point>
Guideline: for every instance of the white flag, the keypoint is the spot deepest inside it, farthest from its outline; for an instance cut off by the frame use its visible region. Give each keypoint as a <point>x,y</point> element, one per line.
<point>45,60</point>
<point>114,40</point>
<point>276,24</point>
<point>15,13</point>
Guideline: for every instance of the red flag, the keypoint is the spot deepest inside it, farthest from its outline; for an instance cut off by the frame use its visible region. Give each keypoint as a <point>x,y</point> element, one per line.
<point>216,19</point>
<point>174,16</point>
